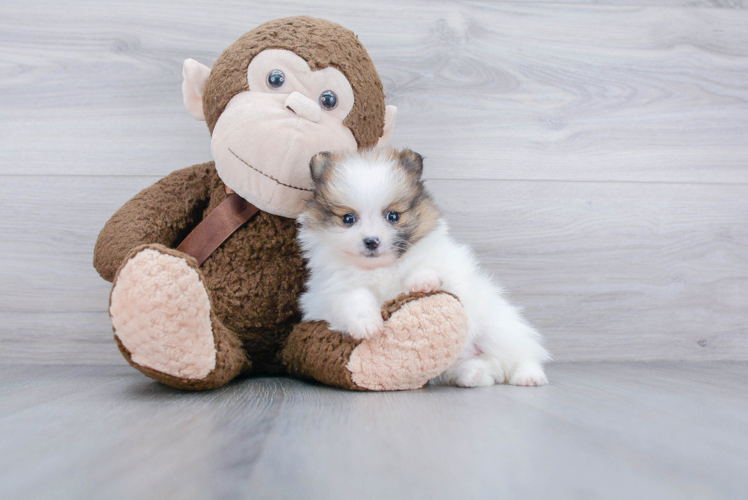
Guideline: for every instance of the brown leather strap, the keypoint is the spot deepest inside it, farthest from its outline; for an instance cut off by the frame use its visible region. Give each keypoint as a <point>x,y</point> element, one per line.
<point>217,227</point>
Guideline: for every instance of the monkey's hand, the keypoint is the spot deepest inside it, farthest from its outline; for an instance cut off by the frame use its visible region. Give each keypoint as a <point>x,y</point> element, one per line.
<point>163,213</point>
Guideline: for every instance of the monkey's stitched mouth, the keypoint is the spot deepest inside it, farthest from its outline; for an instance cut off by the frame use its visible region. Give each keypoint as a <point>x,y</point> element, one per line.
<point>266,175</point>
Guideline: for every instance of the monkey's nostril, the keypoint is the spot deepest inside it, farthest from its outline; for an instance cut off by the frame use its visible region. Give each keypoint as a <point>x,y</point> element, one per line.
<point>371,243</point>
<point>303,107</point>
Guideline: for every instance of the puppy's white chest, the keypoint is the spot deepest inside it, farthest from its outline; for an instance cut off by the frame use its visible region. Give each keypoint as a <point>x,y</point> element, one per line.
<point>384,283</point>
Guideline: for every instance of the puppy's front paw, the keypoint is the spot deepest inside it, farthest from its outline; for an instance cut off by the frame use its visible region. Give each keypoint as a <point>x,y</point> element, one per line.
<point>424,280</point>
<point>366,327</point>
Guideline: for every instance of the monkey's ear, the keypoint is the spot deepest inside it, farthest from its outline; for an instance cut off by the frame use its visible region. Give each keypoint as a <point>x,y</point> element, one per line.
<point>195,77</point>
<point>412,162</point>
<point>390,113</point>
<point>319,163</point>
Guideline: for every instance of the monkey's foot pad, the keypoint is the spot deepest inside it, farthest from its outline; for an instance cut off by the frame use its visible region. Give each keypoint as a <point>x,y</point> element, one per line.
<point>161,315</point>
<point>423,335</point>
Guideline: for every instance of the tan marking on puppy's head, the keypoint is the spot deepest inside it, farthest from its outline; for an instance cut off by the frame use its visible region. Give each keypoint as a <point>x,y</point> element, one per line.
<point>320,166</point>
<point>326,208</point>
<point>411,162</point>
<point>419,213</point>
<point>375,194</point>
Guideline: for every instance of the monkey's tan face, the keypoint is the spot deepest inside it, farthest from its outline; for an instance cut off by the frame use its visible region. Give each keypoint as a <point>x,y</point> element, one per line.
<point>264,139</point>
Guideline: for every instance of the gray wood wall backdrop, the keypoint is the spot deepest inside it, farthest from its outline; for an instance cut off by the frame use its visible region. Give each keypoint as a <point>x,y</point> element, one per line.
<point>595,154</point>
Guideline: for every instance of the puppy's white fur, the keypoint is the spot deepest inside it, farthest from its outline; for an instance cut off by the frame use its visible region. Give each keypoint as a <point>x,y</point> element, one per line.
<point>349,283</point>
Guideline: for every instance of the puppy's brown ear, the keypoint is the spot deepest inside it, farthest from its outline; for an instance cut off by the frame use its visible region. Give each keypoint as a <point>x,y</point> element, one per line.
<point>318,164</point>
<point>412,162</point>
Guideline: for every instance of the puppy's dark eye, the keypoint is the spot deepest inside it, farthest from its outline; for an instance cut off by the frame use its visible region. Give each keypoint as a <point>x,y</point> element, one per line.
<point>328,100</point>
<point>392,217</point>
<point>276,79</point>
<point>349,220</point>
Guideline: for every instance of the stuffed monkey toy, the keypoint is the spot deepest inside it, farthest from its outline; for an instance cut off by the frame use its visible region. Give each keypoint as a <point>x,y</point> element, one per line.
<point>205,266</point>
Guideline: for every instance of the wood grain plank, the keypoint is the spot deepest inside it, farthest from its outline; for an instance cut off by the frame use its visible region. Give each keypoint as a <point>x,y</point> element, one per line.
<point>177,436</point>
<point>718,4</point>
<point>488,90</point>
<point>604,430</point>
<point>644,269</point>
<point>65,338</point>
<point>607,271</point>
<point>27,386</point>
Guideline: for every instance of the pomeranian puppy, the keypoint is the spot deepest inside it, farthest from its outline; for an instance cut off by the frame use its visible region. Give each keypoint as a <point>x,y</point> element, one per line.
<point>371,231</point>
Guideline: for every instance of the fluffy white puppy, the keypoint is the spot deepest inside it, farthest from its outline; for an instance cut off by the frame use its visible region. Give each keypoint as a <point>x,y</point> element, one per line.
<point>372,231</point>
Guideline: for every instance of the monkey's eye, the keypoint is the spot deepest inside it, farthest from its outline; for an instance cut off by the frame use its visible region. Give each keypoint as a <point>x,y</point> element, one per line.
<point>328,99</point>
<point>276,79</point>
<point>392,217</point>
<point>349,220</point>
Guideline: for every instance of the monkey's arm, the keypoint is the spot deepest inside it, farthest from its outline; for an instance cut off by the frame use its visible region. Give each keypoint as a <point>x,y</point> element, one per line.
<point>162,213</point>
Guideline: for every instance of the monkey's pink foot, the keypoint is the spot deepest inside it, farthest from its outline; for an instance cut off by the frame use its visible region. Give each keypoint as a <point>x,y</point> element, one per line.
<point>161,314</point>
<point>422,337</point>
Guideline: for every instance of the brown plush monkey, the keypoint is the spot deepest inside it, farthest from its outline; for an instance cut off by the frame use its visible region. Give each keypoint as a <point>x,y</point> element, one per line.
<point>283,92</point>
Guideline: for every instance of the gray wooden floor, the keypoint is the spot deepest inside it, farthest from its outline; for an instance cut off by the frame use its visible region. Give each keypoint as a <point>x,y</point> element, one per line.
<point>655,430</point>
<point>593,152</point>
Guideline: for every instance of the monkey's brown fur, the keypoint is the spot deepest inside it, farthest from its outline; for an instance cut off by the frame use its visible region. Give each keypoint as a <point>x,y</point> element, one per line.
<point>253,279</point>
<point>309,39</point>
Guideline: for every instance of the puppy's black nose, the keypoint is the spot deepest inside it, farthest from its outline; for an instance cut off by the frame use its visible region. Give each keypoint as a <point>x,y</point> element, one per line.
<point>371,243</point>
